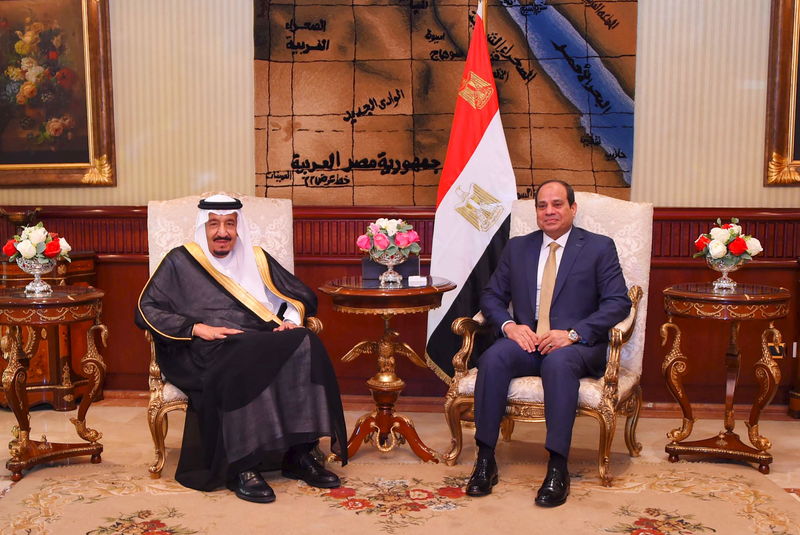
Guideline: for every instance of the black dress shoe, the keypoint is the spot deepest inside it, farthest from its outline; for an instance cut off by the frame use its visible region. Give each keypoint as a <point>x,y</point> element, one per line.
<point>250,486</point>
<point>307,468</point>
<point>483,478</point>
<point>554,490</point>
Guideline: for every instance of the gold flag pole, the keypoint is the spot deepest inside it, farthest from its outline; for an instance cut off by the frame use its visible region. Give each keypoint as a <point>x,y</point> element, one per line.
<point>483,15</point>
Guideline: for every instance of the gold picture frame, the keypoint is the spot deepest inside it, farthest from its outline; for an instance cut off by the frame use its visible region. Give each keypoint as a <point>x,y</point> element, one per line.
<point>56,106</point>
<point>782,147</point>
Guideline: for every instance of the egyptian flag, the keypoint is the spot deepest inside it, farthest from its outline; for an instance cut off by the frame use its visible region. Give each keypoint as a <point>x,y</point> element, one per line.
<point>473,206</point>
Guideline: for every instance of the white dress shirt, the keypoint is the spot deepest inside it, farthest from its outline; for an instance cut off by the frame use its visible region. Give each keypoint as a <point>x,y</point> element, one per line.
<point>544,252</point>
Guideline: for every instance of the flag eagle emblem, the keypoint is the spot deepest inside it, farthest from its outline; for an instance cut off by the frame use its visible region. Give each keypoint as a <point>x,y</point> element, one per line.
<point>475,90</point>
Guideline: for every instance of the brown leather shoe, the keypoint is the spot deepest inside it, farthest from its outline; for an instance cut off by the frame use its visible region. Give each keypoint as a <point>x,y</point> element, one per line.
<point>250,486</point>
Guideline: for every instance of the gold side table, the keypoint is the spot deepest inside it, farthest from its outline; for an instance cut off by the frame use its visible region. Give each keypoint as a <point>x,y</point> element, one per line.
<point>356,295</point>
<point>67,304</point>
<point>747,302</point>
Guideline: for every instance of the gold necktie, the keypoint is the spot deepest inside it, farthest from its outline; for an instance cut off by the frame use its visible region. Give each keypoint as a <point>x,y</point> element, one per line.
<point>546,296</point>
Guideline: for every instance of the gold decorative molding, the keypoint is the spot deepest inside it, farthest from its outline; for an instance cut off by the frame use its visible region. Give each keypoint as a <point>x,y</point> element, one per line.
<point>100,173</point>
<point>781,172</point>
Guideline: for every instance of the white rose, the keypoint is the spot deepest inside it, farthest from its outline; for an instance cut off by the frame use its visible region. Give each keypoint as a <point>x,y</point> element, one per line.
<point>720,234</point>
<point>391,227</point>
<point>65,247</point>
<point>37,235</point>
<point>26,249</point>
<point>717,248</point>
<point>33,73</point>
<point>753,246</point>
<point>27,63</point>
<point>736,230</point>
<point>382,222</point>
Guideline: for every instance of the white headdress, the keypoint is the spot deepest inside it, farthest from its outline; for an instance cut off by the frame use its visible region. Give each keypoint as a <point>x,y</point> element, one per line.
<point>240,263</point>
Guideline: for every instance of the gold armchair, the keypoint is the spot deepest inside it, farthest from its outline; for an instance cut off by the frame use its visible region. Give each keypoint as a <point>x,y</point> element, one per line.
<point>618,391</point>
<point>170,224</point>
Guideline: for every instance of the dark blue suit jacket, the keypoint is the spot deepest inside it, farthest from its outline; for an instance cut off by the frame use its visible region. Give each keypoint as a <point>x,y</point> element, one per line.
<point>590,295</point>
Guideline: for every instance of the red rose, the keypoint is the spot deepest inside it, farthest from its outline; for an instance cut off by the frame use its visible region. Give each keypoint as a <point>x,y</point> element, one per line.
<point>53,235</point>
<point>52,55</point>
<point>8,248</point>
<point>726,226</point>
<point>52,249</point>
<point>738,246</point>
<point>66,78</point>
<point>701,242</point>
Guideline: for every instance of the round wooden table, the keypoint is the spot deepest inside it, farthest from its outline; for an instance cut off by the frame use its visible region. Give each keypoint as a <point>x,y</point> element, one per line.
<point>67,304</point>
<point>747,302</point>
<point>356,295</point>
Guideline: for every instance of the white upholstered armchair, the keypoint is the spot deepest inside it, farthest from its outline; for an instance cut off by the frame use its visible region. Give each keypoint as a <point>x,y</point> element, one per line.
<point>618,391</point>
<point>171,224</point>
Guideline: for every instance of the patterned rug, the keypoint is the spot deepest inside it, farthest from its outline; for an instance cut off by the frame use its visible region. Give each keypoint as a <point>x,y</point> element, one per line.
<point>646,499</point>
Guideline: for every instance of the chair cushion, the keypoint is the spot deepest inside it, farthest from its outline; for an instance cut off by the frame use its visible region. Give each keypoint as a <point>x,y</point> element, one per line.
<point>173,393</point>
<point>530,388</point>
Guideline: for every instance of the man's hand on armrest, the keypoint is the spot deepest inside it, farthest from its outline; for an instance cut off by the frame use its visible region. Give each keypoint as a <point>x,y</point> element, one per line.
<point>286,325</point>
<point>207,332</point>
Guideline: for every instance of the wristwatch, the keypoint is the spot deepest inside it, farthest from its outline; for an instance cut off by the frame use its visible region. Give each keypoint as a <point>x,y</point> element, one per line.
<point>573,336</point>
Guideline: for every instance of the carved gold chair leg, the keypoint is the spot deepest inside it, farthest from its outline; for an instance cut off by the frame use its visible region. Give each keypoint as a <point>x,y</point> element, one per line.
<point>506,428</point>
<point>453,411</point>
<point>157,430</point>
<point>607,428</point>
<point>633,406</point>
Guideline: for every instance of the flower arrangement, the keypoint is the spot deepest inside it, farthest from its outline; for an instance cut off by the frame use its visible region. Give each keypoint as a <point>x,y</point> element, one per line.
<point>389,237</point>
<point>36,243</point>
<point>726,245</point>
<point>36,88</point>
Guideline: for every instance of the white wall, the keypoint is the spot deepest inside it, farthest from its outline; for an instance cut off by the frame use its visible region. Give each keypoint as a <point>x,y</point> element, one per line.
<point>701,81</point>
<point>183,92</point>
<point>183,103</point>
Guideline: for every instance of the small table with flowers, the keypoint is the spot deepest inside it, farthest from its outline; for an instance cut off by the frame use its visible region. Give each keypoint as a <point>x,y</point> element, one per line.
<point>356,295</point>
<point>66,304</point>
<point>746,302</point>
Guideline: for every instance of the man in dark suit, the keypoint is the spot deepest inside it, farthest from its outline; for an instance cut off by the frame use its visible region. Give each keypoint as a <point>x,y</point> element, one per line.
<point>567,291</point>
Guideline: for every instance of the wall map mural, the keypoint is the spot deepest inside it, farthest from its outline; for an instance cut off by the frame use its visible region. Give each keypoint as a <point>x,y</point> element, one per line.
<point>354,98</point>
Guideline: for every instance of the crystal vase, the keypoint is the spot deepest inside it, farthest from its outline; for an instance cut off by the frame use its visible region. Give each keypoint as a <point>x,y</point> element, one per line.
<point>37,287</point>
<point>389,278</point>
<point>723,284</point>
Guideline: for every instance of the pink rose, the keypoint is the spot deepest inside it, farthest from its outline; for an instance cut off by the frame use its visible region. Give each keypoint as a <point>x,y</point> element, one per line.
<point>375,229</point>
<point>401,239</point>
<point>381,241</point>
<point>363,242</point>
<point>404,239</point>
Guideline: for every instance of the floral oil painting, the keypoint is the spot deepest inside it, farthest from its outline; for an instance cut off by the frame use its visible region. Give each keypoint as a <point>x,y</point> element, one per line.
<point>42,84</point>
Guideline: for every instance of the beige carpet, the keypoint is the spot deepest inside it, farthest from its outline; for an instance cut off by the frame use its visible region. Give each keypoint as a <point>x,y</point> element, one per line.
<point>394,493</point>
<point>648,499</point>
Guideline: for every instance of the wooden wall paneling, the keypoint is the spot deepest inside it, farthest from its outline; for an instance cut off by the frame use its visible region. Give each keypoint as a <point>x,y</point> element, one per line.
<point>325,249</point>
<point>127,356</point>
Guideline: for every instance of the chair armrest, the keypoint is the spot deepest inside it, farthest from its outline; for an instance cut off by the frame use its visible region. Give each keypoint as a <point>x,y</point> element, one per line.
<point>466,328</point>
<point>618,335</point>
<point>314,324</point>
